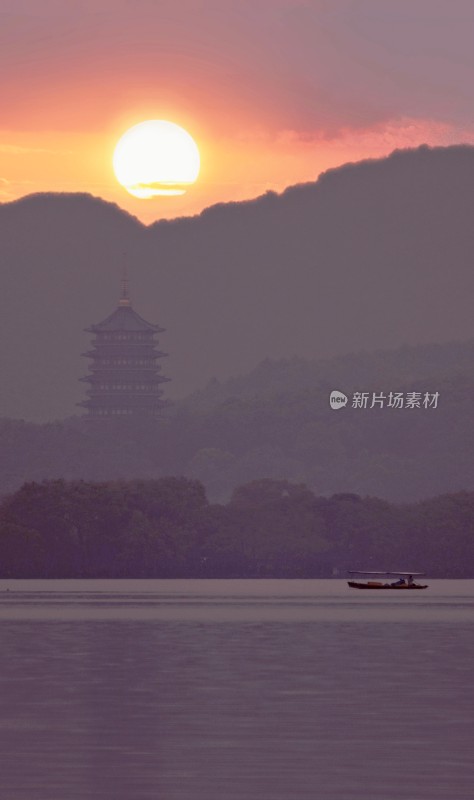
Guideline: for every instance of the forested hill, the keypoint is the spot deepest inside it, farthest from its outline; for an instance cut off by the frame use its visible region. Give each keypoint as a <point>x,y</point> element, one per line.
<point>369,255</point>
<point>368,369</point>
<point>276,423</point>
<point>168,529</point>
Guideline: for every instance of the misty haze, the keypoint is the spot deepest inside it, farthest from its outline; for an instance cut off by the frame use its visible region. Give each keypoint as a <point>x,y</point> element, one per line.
<point>236,401</point>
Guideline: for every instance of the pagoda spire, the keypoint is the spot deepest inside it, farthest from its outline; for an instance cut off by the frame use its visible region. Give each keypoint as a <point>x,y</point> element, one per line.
<point>125,289</point>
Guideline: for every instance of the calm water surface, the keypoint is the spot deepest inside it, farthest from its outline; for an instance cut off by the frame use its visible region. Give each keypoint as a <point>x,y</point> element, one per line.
<point>235,690</point>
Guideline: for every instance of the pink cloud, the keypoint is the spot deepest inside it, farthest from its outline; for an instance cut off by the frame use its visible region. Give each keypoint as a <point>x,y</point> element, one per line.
<point>320,68</point>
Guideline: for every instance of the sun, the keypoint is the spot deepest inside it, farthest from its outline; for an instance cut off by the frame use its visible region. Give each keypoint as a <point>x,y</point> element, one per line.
<point>156,157</point>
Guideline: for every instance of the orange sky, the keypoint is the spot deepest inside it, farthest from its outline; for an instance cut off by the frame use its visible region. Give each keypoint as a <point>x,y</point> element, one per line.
<point>273,91</point>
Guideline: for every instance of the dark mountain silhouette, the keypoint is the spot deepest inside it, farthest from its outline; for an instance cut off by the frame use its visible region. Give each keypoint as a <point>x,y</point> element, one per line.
<point>371,255</point>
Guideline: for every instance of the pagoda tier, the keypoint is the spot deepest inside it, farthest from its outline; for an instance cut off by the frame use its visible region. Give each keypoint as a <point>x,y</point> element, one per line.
<point>124,377</point>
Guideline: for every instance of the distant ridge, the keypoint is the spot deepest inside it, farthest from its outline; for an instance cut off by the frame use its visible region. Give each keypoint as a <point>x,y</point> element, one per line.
<point>44,202</point>
<point>276,424</point>
<point>402,366</point>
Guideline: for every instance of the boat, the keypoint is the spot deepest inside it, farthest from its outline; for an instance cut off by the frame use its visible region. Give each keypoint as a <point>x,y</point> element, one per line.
<point>405,580</point>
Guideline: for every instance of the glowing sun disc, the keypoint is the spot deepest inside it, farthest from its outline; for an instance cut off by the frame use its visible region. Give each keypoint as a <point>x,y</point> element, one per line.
<point>156,157</point>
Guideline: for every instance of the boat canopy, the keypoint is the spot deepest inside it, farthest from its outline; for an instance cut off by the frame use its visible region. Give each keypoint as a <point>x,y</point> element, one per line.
<point>387,574</point>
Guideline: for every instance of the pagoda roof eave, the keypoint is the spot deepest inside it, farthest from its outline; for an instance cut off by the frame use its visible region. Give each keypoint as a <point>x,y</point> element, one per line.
<point>124,318</point>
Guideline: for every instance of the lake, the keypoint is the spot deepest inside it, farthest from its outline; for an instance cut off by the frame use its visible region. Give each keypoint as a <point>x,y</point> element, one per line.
<point>235,690</point>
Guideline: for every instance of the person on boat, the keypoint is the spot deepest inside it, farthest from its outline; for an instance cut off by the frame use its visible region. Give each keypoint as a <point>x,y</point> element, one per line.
<point>410,581</point>
<point>400,582</point>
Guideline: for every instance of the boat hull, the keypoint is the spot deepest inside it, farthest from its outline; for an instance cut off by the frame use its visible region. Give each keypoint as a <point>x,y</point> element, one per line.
<point>375,585</point>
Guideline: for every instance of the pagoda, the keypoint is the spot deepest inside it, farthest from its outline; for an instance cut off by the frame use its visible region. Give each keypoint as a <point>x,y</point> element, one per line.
<point>125,378</point>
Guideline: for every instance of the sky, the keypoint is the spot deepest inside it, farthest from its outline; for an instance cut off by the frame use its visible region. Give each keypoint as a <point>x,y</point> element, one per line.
<point>273,91</point>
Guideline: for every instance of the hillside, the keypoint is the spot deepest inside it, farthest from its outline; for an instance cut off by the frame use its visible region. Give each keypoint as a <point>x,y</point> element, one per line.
<point>276,423</point>
<point>370,256</point>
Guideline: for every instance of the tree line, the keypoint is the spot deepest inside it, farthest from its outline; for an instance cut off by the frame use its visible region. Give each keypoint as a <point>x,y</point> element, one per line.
<point>167,528</point>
